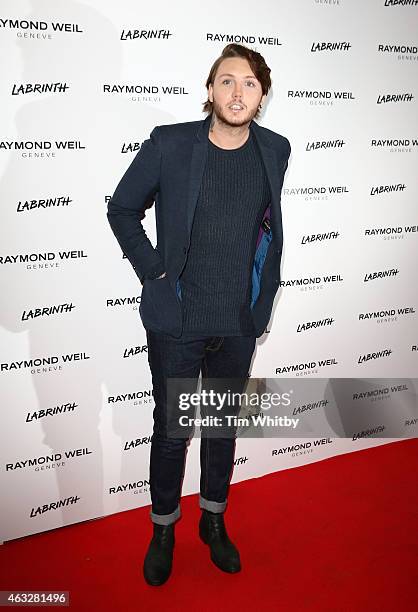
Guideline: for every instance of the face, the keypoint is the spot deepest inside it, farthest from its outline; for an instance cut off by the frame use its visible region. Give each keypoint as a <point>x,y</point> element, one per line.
<point>235,93</point>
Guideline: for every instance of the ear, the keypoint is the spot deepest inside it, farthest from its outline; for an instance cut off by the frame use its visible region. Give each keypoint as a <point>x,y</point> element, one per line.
<point>210,93</point>
<point>263,99</point>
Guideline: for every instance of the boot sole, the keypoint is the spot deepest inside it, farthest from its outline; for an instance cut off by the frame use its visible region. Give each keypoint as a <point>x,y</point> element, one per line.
<point>155,583</point>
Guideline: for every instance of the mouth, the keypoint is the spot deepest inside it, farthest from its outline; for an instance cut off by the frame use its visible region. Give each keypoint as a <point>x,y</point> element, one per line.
<point>236,108</point>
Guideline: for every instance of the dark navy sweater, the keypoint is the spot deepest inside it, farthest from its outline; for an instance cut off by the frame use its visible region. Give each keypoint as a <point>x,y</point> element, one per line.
<point>216,281</point>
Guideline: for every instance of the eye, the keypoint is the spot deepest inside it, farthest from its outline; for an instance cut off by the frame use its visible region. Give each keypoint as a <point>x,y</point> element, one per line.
<point>226,81</point>
<point>251,83</point>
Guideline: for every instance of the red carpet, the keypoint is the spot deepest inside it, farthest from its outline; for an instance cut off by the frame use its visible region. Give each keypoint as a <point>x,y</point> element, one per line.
<point>337,535</point>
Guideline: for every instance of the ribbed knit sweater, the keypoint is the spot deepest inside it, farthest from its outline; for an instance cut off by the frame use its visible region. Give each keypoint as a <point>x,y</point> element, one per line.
<point>216,281</point>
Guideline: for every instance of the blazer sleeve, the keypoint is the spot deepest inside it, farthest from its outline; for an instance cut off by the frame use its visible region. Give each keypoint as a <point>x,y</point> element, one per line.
<point>126,208</point>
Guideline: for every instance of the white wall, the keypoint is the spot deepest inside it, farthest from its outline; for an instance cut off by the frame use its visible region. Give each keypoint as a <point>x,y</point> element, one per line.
<point>101,125</point>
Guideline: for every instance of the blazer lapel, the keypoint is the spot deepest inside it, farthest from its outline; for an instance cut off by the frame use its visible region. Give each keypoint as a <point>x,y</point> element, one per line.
<point>197,166</point>
<point>271,165</point>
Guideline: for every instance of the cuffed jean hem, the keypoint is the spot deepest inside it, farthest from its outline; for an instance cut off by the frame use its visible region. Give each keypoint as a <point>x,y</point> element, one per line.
<point>212,506</point>
<point>165,519</point>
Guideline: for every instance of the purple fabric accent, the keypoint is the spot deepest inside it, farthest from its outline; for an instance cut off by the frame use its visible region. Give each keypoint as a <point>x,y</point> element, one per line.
<point>260,232</point>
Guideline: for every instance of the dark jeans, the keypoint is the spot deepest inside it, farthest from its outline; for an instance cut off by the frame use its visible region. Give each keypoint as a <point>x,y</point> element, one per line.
<point>169,357</point>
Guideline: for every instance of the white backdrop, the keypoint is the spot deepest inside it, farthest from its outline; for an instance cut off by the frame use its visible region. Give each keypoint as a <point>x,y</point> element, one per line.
<point>76,404</point>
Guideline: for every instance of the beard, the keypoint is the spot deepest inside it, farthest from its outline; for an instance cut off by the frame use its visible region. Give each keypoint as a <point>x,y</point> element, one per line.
<point>245,117</point>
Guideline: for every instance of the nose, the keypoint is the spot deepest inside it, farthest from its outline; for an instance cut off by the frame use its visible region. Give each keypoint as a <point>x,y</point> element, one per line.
<point>237,91</point>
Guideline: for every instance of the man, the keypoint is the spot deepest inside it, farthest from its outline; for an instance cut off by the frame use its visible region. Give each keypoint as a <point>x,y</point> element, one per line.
<point>209,284</point>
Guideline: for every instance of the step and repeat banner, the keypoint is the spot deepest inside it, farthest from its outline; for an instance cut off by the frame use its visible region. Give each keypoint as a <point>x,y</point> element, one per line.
<point>82,86</point>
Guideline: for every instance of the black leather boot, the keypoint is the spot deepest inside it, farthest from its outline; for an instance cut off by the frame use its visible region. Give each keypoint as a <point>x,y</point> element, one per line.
<point>223,553</point>
<point>159,558</point>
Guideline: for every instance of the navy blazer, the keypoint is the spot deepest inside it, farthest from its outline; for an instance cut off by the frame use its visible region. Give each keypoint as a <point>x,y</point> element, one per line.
<point>168,170</point>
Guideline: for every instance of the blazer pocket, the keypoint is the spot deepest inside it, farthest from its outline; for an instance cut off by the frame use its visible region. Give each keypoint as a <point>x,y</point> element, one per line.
<point>158,302</point>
